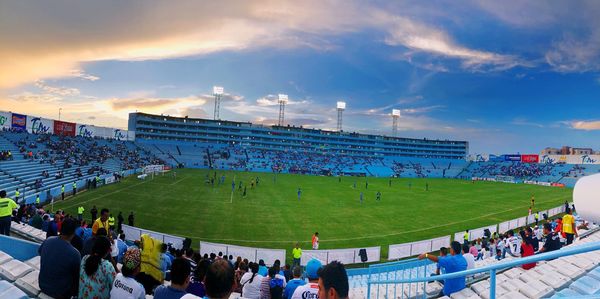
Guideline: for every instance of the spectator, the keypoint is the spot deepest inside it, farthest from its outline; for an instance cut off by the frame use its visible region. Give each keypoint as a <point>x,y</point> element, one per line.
<point>59,264</point>
<point>239,273</point>
<point>526,249</point>
<point>101,222</point>
<point>532,238</point>
<point>311,289</point>
<point>333,281</point>
<point>443,253</point>
<point>97,274</point>
<point>122,246</point>
<point>125,285</point>
<point>455,262</point>
<point>251,282</point>
<point>130,219</point>
<point>297,254</point>
<point>7,206</point>
<point>88,245</point>
<point>552,240</point>
<point>294,283</point>
<point>53,226</point>
<point>180,279</point>
<point>197,286</point>
<point>165,261</point>
<point>473,250</point>
<point>219,280</point>
<point>468,257</point>
<point>276,284</point>
<point>568,226</point>
<point>94,213</point>
<point>189,253</point>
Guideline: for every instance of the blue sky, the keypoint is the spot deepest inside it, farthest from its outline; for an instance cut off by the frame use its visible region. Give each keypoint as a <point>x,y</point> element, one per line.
<point>510,76</point>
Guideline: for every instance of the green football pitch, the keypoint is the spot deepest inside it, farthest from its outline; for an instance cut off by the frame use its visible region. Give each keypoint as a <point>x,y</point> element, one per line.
<point>272,216</point>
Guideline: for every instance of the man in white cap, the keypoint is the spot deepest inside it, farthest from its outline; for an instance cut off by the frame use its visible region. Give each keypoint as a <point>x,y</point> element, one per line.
<point>311,289</point>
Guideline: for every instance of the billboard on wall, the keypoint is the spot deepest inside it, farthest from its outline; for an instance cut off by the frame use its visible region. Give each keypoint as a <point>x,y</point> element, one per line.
<point>5,120</point>
<point>19,122</point>
<point>38,125</point>
<point>495,158</point>
<point>530,158</point>
<point>64,128</point>
<point>571,159</point>
<point>85,130</point>
<point>512,158</point>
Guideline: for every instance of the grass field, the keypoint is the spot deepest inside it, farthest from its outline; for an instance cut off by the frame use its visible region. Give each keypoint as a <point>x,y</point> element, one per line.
<point>271,215</point>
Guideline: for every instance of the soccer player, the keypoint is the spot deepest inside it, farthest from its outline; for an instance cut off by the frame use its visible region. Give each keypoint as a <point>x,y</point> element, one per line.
<point>367,185</point>
<point>378,196</point>
<point>361,198</point>
<point>426,186</point>
<point>232,186</point>
<point>244,195</point>
<point>409,185</point>
<point>390,182</point>
<point>299,193</point>
<point>354,186</point>
<point>533,201</point>
<point>257,180</point>
<point>315,241</point>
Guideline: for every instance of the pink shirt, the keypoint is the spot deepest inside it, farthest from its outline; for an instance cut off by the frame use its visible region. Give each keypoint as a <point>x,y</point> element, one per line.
<point>473,251</point>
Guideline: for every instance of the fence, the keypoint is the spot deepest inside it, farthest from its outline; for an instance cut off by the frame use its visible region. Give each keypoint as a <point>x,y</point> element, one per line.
<point>252,254</point>
<point>346,256</point>
<point>134,233</point>
<point>399,251</point>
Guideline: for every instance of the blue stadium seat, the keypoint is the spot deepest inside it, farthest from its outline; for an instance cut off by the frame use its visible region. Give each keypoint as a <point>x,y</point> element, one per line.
<point>586,285</point>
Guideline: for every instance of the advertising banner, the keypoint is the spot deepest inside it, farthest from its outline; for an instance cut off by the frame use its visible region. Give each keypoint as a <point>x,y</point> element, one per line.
<point>512,158</point>
<point>38,125</point>
<point>64,128</point>
<point>495,158</point>
<point>571,159</point>
<point>85,130</point>
<point>19,122</point>
<point>530,158</point>
<point>5,120</point>
<point>119,134</point>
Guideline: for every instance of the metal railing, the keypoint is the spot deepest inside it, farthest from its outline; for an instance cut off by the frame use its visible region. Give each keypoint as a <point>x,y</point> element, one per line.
<point>492,269</point>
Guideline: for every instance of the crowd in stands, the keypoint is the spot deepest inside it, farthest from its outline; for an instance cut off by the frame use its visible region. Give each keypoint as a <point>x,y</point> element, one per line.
<point>550,236</point>
<point>5,155</point>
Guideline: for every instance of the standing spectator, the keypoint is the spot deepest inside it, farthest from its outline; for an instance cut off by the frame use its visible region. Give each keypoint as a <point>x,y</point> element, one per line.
<point>219,280</point>
<point>315,241</point>
<point>97,274</point>
<point>111,222</point>
<point>526,249</point>
<point>59,264</point>
<point>568,226</point>
<point>122,246</point>
<point>120,222</point>
<point>130,219</point>
<point>310,290</point>
<point>53,226</point>
<point>297,254</point>
<point>552,240</point>
<point>197,286</point>
<point>125,285</point>
<point>101,222</point>
<point>468,257</point>
<point>276,284</point>
<point>455,262</point>
<point>62,192</point>
<point>333,281</point>
<point>94,213</point>
<point>180,279</point>
<point>7,206</point>
<point>251,282</point>
<point>294,283</point>
<point>165,261</point>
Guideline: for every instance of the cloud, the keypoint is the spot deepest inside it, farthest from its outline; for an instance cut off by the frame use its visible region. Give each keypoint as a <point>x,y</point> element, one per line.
<point>60,91</point>
<point>586,125</point>
<point>575,55</point>
<point>273,100</point>
<point>81,74</point>
<point>525,122</point>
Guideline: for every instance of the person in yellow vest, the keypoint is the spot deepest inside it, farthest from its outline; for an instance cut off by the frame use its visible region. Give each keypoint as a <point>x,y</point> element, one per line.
<point>111,222</point>
<point>101,222</point>
<point>62,192</point>
<point>80,211</point>
<point>297,255</point>
<point>466,237</point>
<point>568,226</point>
<point>37,200</point>
<point>74,188</point>
<point>7,206</point>
<point>17,194</point>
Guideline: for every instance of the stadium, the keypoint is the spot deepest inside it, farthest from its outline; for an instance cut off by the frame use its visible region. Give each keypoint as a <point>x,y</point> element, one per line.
<point>410,159</point>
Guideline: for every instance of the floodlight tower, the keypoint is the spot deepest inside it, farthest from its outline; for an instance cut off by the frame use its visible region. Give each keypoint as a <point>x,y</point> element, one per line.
<point>283,99</point>
<point>395,117</point>
<point>218,93</point>
<point>341,106</point>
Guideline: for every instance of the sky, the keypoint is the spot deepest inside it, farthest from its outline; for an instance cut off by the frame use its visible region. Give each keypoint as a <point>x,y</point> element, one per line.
<point>507,76</point>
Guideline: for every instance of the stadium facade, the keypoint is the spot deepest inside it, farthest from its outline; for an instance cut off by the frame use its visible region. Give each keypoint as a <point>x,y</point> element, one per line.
<point>167,129</point>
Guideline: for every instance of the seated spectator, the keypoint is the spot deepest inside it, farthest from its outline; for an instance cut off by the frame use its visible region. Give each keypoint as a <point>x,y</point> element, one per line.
<point>455,262</point>
<point>88,244</point>
<point>526,249</point>
<point>219,280</point>
<point>165,261</point>
<point>239,272</point>
<point>468,257</point>
<point>59,264</point>
<point>443,253</point>
<point>311,289</point>
<point>125,285</point>
<point>276,284</point>
<point>333,281</point>
<point>97,274</point>
<point>552,240</point>
<point>294,283</point>
<point>251,282</point>
<point>197,286</point>
<point>122,246</point>
<point>180,279</point>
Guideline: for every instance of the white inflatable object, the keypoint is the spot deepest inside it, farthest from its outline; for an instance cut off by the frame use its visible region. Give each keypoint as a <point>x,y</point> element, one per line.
<point>586,197</point>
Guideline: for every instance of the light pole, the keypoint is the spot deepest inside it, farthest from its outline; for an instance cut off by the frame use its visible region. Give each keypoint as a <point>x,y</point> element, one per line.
<point>283,99</point>
<point>395,117</point>
<point>218,93</point>
<point>341,106</point>
<point>59,112</point>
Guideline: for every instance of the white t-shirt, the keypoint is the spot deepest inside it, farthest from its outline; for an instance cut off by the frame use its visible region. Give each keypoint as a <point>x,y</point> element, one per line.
<point>470,260</point>
<point>190,296</point>
<point>127,288</point>
<point>514,246</point>
<point>251,290</point>
<point>307,291</point>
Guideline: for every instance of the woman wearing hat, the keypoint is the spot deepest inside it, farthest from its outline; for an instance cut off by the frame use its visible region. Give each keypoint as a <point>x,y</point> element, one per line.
<point>125,286</point>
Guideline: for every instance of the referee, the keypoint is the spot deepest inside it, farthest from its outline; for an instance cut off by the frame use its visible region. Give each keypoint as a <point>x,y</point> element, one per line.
<point>7,206</point>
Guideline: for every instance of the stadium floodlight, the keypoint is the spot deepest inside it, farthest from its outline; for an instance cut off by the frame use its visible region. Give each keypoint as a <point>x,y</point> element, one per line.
<point>395,117</point>
<point>341,106</point>
<point>283,99</point>
<point>218,93</point>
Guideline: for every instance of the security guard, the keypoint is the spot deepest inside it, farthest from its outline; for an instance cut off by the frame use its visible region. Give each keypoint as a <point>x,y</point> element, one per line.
<point>80,211</point>
<point>74,188</point>
<point>7,206</point>
<point>37,199</point>
<point>17,194</point>
<point>62,191</point>
<point>111,222</point>
<point>466,237</point>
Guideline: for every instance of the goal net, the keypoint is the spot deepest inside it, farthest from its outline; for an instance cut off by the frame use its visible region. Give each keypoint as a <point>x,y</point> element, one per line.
<point>153,169</point>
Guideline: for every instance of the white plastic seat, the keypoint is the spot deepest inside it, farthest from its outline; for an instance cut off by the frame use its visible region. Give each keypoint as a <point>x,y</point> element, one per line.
<point>513,295</point>
<point>568,270</point>
<point>14,269</point>
<point>464,294</point>
<point>566,293</point>
<point>7,290</point>
<point>29,283</point>
<point>34,262</point>
<point>4,257</point>
<point>555,281</point>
